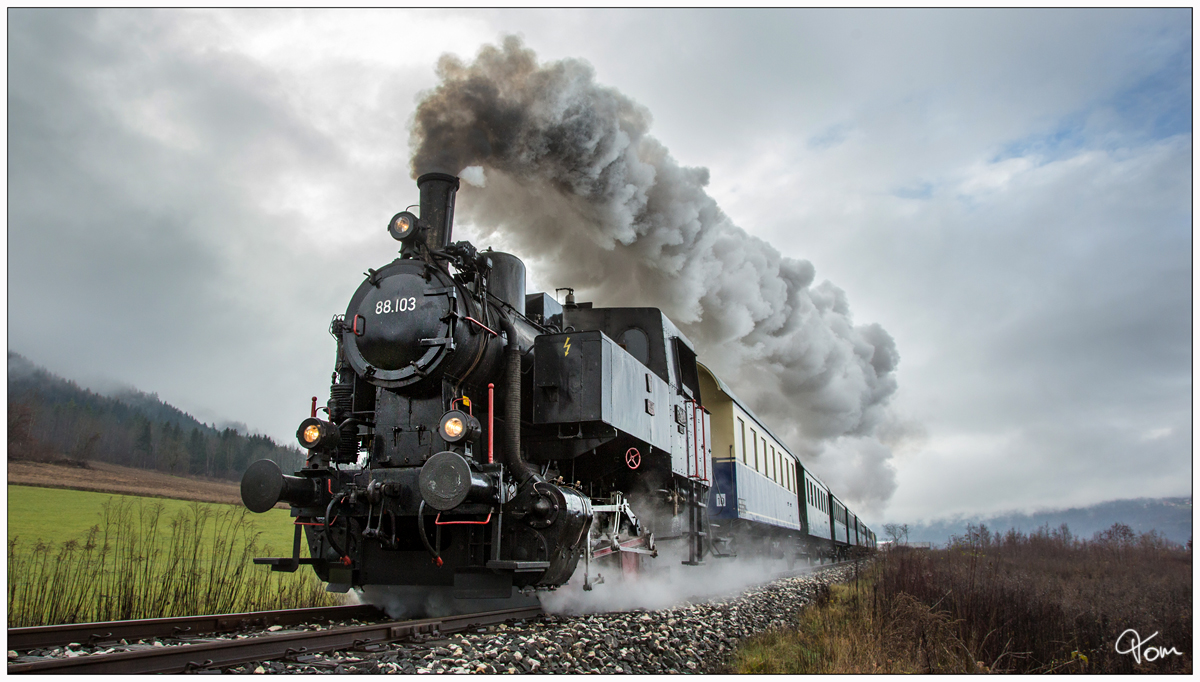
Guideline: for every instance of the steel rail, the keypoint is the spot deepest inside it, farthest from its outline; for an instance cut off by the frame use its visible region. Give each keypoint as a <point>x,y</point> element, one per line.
<point>45,636</point>
<point>283,646</point>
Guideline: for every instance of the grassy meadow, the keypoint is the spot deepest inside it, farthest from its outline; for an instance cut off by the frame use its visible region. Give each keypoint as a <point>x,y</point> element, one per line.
<point>57,515</point>
<point>76,556</point>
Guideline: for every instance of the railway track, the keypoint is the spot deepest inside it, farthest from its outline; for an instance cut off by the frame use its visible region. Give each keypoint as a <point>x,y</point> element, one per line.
<point>44,637</point>
<point>201,654</point>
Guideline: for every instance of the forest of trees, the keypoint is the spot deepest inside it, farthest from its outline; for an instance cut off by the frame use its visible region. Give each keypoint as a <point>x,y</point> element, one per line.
<point>50,418</point>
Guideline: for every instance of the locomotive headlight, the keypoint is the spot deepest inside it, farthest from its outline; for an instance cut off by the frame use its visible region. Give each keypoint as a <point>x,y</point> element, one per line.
<point>403,226</point>
<point>311,434</point>
<point>316,433</point>
<point>457,425</point>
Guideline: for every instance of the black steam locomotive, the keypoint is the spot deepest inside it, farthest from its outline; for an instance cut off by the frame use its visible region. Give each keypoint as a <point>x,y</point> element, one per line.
<point>481,439</point>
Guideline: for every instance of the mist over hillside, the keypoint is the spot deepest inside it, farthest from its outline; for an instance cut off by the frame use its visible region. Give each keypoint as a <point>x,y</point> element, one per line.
<point>52,418</point>
<point>1171,517</point>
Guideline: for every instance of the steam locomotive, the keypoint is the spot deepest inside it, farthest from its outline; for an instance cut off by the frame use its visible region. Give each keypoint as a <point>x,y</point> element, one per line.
<point>480,439</point>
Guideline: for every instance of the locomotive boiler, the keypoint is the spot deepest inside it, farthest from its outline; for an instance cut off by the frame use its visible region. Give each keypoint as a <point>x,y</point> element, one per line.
<point>479,439</point>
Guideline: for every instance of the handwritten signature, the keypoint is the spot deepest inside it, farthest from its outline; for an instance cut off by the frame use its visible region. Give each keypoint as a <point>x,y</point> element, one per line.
<point>1137,647</point>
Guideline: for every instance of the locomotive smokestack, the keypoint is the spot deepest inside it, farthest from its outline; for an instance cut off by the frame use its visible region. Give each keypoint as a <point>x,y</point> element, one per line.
<point>437,207</point>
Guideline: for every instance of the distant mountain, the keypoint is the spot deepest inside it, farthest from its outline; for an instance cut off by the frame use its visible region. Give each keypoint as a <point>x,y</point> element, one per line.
<point>1171,517</point>
<point>53,418</point>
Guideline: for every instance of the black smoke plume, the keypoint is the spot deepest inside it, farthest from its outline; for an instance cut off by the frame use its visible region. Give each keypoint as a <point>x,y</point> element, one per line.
<point>562,171</point>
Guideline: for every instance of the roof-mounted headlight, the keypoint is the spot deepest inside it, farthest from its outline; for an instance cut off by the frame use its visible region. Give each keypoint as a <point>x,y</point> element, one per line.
<point>403,226</point>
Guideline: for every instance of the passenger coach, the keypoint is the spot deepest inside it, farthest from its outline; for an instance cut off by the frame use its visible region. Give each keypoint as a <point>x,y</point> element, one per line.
<point>762,498</point>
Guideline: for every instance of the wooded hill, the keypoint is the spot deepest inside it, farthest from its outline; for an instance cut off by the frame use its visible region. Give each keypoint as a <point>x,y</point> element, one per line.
<point>51,418</point>
<point>1170,517</point>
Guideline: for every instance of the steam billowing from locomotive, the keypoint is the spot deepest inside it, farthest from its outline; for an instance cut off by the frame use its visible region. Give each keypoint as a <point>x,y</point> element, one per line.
<point>563,170</point>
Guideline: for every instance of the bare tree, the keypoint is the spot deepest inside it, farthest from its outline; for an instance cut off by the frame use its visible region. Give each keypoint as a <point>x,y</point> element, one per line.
<point>897,532</point>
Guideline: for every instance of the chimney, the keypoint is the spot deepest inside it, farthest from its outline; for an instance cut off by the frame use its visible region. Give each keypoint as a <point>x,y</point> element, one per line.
<point>437,208</point>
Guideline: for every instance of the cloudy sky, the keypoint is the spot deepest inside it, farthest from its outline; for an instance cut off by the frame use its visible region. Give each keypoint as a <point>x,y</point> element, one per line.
<point>1007,193</point>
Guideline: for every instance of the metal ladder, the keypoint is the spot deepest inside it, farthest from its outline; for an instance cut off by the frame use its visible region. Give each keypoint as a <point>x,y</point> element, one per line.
<point>697,524</point>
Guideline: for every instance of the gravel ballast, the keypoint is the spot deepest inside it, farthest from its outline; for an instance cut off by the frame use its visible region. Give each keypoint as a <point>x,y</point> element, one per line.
<point>688,638</point>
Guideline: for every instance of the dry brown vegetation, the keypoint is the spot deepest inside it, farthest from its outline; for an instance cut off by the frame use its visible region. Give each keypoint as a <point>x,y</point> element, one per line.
<point>1038,603</point>
<point>111,478</point>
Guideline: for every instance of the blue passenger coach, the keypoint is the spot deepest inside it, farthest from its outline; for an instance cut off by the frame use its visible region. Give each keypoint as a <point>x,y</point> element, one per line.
<point>757,484</point>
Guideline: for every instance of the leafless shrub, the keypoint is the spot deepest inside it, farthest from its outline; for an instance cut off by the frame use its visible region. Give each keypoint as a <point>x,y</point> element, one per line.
<point>1050,602</point>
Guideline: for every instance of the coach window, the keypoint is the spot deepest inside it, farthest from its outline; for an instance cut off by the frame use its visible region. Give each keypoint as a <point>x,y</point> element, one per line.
<point>754,439</point>
<point>742,430</point>
<point>765,469</point>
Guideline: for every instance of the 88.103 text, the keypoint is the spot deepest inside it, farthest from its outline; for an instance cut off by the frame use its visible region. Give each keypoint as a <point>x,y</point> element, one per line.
<point>396,305</point>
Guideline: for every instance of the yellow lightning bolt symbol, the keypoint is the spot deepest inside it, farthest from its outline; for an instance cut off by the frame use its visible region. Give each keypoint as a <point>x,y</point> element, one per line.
<point>567,346</point>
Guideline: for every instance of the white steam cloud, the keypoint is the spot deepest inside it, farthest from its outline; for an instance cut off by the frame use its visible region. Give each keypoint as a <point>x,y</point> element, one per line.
<point>669,583</point>
<point>577,187</point>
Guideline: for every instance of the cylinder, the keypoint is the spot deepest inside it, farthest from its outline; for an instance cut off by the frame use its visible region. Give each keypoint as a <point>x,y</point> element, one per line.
<point>264,484</point>
<point>437,208</point>
<point>446,481</point>
<point>507,280</point>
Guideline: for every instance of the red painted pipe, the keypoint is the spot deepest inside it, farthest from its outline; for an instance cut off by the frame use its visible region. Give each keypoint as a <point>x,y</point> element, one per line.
<point>314,407</point>
<point>438,521</point>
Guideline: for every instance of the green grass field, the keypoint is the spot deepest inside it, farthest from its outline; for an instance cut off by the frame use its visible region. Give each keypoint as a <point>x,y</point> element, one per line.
<point>78,556</point>
<point>56,515</point>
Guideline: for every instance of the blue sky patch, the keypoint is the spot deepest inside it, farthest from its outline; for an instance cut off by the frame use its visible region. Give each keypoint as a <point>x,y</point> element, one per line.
<point>1155,107</point>
<point>919,190</point>
<point>830,137</point>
